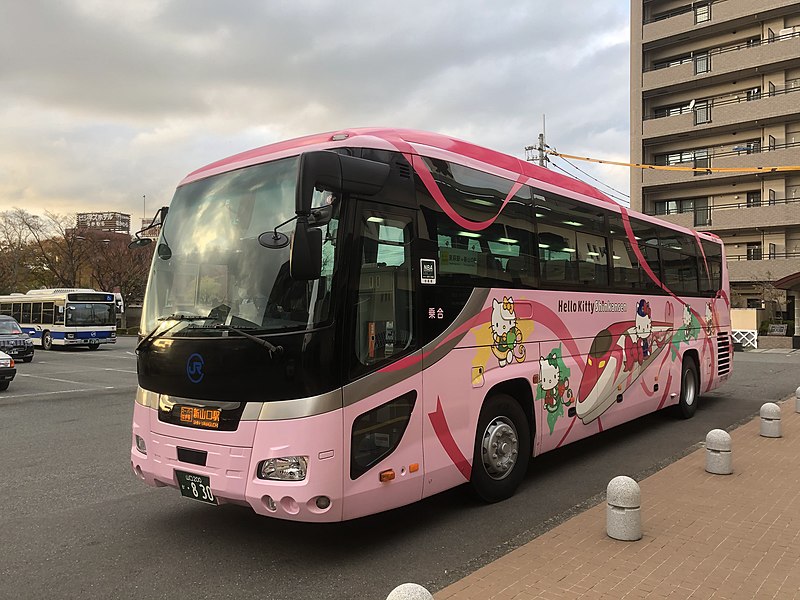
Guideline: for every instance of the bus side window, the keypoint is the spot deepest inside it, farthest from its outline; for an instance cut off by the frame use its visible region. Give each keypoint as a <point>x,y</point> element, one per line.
<point>384,308</point>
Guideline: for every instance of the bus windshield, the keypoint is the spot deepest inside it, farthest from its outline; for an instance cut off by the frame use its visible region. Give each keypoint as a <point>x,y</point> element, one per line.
<point>89,313</point>
<point>209,263</point>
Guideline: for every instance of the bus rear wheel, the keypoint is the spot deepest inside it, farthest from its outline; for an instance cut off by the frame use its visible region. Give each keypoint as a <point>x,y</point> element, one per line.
<point>502,449</point>
<point>690,388</point>
<point>47,340</point>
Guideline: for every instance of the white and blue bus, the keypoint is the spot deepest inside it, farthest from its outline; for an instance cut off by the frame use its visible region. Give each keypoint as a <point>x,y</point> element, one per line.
<point>64,317</point>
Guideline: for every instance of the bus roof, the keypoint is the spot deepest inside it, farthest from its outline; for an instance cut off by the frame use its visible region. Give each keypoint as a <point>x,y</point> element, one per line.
<point>395,139</point>
<point>415,142</point>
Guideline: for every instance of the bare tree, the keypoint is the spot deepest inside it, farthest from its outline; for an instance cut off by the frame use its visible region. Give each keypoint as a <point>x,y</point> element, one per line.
<point>59,249</point>
<point>16,260</point>
<point>115,267</point>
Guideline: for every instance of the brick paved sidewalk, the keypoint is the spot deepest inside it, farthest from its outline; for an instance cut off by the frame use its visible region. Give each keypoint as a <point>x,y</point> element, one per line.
<point>705,536</point>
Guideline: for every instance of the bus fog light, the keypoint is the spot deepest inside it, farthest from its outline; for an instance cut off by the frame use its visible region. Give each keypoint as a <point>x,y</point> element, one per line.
<point>70,336</point>
<point>285,468</point>
<point>270,503</point>
<point>140,445</point>
<point>323,502</point>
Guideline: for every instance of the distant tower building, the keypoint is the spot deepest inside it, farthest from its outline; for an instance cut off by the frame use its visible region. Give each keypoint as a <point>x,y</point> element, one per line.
<point>105,221</point>
<point>717,84</point>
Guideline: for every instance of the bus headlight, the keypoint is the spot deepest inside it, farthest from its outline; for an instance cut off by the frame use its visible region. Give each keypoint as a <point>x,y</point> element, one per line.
<point>285,468</point>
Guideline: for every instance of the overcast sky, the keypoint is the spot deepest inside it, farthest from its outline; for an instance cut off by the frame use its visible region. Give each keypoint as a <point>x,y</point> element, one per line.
<point>102,103</point>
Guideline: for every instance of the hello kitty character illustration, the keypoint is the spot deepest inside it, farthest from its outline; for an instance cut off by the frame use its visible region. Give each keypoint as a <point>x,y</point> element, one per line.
<point>548,379</point>
<point>709,319</point>
<point>554,384</point>
<point>506,337</point>
<point>553,389</point>
<point>687,322</point>
<point>638,343</point>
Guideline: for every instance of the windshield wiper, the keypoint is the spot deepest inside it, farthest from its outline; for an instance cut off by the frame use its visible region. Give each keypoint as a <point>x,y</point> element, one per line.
<point>155,334</point>
<point>270,347</point>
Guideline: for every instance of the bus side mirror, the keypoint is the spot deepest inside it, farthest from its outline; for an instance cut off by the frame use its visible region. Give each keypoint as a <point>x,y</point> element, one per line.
<point>305,253</point>
<point>326,170</point>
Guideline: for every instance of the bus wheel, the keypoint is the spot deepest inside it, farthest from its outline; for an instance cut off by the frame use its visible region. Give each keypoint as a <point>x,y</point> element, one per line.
<point>690,386</point>
<point>502,449</point>
<point>47,340</point>
<point>94,346</point>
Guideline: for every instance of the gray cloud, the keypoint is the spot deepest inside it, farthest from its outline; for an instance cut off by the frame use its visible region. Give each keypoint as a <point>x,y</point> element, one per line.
<point>104,102</point>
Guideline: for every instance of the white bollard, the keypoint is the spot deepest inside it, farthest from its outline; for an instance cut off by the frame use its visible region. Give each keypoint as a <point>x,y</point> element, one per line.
<point>770,420</point>
<point>719,458</point>
<point>624,513</point>
<point>409,591</point>
<point>797,400</point>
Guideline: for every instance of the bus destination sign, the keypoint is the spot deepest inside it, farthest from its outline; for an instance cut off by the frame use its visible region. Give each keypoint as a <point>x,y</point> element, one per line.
<point>200,417</point>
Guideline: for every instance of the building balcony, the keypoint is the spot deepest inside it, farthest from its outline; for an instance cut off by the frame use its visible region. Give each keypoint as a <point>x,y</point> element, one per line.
<point>693,18</point>
<point>741,270</point>
<point>725,114</point>
<point>725,64</point>
<point>784,213</point>
<point>724,157</point>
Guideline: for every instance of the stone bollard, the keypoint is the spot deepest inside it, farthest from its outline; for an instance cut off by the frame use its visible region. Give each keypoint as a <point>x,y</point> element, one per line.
<point>797,400</point>
<point>719,458</point>
<point>623,514</point>
<point>770,420</point>
<point>409,591</point>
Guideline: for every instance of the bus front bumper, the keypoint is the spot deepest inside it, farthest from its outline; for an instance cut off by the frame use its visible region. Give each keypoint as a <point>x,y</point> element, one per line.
<point>232,466</point>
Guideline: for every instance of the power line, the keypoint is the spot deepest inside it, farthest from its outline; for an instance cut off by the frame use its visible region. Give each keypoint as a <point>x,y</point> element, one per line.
<point>576,167</point>
<point>624,201</point>
<point>673,168</point>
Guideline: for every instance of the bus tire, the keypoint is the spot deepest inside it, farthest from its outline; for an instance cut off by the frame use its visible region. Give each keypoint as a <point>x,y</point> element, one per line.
<point>47,340</point>
<point>690,386</point>
<point>94,346</point>
<point>3,385</point>
<point>502,449</point>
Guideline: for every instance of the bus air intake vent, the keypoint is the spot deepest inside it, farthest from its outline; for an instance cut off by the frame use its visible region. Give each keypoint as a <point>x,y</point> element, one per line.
<point>723,353</point>
<point>403,169</point>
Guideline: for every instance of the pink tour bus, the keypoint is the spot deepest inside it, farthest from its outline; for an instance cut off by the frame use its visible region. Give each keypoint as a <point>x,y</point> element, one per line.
<point>349,322</point>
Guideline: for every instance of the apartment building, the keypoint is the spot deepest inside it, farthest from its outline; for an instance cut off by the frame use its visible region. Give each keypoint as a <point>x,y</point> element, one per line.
<point>716,84</point>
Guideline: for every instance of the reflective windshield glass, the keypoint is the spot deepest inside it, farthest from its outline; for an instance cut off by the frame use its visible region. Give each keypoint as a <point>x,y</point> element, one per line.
<point>90,313</point>
<point>9,327</point>
<point>208,261</point>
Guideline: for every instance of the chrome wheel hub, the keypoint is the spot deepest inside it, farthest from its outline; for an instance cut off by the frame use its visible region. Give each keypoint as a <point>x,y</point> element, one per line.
<point>689,389</point>
<point>499,448</point>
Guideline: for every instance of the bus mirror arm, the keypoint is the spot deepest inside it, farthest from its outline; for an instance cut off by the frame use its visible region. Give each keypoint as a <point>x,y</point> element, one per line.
<point>139,242</point>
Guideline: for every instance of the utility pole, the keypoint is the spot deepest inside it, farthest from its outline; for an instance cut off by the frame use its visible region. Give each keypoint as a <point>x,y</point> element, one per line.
<point>542,157</point>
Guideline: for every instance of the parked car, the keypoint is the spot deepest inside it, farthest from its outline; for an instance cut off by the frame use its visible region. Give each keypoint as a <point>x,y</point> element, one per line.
<point>7,370</point>
<point>13,341</point>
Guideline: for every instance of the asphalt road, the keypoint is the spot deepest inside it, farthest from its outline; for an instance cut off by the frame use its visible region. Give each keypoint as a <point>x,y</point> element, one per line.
<point>75,523</point>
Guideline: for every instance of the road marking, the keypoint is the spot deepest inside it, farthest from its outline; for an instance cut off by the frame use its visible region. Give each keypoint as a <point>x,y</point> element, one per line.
<point>120,371</point>
<point>52,379</point>
<point>8,397</point>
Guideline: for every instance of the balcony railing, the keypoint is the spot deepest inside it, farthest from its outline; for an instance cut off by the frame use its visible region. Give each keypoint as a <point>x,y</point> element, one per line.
<point>702,106</point>
<point>721,216</point>
<point>763,256</point>
<point>708,54</point>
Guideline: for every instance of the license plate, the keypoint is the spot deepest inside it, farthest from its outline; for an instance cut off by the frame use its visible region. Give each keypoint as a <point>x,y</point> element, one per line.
<point>196,487</point>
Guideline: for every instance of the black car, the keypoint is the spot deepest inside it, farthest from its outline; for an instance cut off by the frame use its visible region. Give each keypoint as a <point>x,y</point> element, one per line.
<point>13,341</point>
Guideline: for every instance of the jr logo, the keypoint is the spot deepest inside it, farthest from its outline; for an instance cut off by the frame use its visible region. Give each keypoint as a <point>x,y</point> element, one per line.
<point>194,368</point>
